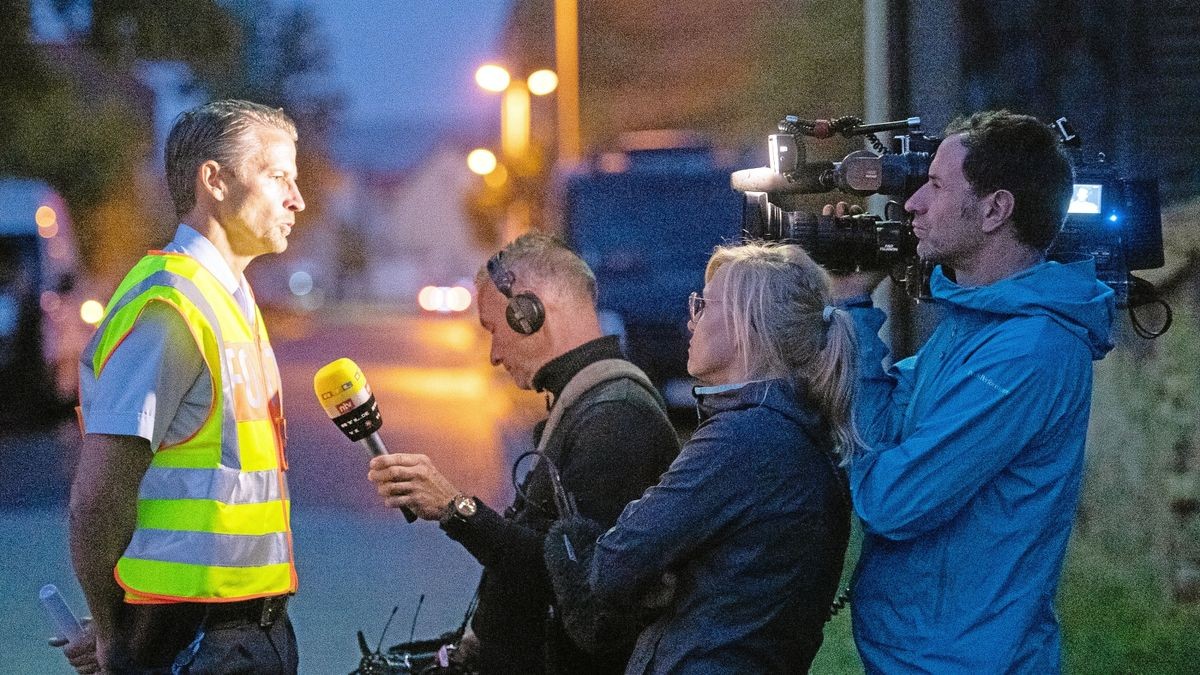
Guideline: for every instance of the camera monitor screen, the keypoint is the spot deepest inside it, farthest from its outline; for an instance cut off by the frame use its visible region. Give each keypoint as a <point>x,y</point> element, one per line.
<point>1085,198</point>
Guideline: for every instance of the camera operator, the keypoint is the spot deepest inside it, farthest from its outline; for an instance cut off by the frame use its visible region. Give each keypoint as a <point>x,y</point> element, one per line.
<point>969,487</point>
<point>612,443</point>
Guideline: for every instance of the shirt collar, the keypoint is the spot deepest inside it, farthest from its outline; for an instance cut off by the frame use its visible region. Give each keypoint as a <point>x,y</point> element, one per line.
<point>556,373</point>
<point>195,245</point>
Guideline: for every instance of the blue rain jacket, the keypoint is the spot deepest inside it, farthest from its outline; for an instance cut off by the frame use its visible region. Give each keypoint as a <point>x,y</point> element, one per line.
<point>970,486</point>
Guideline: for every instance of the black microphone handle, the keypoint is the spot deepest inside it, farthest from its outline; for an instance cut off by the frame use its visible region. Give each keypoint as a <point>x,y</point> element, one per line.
<point>374,445</point>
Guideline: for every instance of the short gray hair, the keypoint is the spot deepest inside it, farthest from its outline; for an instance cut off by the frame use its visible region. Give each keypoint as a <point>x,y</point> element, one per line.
<point>215,131</point>
<point>546,263</point>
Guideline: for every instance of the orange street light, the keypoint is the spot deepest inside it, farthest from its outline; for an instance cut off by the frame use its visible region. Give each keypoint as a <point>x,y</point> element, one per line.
<point>492,78</point>
<point>515,107</point>
<point>481,161</point>
<point>542,82</point>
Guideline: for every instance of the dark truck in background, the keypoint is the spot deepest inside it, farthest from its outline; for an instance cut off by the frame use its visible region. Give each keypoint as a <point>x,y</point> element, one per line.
<point>646,221</point>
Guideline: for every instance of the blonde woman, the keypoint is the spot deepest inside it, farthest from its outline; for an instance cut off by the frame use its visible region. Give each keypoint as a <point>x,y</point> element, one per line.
<point>752,519</point>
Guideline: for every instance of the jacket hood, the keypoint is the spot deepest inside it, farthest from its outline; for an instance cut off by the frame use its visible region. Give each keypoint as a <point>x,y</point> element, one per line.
<point>1068,292</point>
<point>779,395</point>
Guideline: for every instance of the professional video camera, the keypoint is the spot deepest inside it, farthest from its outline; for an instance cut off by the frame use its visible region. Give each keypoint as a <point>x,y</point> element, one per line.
<point>1113,219</point>
<point>841,243</point>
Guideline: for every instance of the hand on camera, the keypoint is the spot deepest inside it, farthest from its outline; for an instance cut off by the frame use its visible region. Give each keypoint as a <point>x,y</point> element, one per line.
<point>853,284</point>
<point>411,481</point>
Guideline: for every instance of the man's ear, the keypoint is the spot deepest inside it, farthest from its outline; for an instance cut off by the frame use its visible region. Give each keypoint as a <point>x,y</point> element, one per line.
<point>997,210</point>
<point>209,180</point>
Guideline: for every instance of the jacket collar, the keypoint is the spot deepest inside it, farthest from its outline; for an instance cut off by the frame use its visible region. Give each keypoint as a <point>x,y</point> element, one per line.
<point>557,372</point>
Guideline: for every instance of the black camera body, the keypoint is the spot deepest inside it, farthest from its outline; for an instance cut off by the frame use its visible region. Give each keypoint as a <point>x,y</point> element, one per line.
<point>1113,219</point>
<point>841,244</point>
<point>849,243</point>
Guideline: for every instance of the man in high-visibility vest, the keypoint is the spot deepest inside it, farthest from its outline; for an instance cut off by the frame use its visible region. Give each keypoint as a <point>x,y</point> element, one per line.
<point>180,526</point>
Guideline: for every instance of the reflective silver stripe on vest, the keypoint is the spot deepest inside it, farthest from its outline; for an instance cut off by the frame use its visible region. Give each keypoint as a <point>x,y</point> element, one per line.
<point>225,485</point>
<point>208,549</point>
<point>229,445</point>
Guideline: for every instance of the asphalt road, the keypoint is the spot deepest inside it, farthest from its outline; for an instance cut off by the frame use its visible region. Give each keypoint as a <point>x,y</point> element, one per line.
<point>356,559</point>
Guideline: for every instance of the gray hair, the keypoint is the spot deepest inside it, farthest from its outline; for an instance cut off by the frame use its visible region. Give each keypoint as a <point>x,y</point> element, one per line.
<point>776,296</point>
<point>217,131</point>
<point>545,263</point>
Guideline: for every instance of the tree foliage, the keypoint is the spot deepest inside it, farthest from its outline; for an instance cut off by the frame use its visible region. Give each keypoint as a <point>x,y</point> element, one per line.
<point>75,115</point>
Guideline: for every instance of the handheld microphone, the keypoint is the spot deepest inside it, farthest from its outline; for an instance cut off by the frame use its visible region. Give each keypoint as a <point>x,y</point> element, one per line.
<point>343,392</point>
<point>59,614</point>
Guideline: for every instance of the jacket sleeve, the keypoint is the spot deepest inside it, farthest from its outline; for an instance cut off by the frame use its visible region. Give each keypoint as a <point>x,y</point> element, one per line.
<point>882,394</point>
<point>613,452</point>
<point>698,496</point>
<point>499,543</point>
<point>982,414</point>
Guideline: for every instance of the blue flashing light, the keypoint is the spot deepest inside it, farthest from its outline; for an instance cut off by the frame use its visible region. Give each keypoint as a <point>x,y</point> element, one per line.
<point>1114,218</point>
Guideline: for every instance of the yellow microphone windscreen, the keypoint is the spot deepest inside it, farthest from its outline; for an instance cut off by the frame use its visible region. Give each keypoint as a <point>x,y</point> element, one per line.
<point>340,387</point>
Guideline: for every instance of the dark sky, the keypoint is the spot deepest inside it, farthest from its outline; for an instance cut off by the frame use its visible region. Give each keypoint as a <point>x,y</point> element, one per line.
<point>398,62</point>
<point>413,61</point>
<point>405,70</point>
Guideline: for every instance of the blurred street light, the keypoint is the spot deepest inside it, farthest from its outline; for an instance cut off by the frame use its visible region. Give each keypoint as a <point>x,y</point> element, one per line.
<point>481,161</point>
<point>497,178</point>
<point>515,107</point>
<point>542,82</point>
<point>91,312</point>
<point>47,222</point>
<point>515,200</point>
<point>492,78</point>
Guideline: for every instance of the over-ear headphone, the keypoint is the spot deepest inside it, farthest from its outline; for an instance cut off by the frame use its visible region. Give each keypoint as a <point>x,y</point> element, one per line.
<point>525,312</point>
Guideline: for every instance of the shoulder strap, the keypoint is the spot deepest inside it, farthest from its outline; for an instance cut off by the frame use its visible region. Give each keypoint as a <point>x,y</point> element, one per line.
<point>590,377</point>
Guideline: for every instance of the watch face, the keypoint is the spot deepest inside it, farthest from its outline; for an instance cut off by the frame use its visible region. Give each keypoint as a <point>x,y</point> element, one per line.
<point>465,506</point>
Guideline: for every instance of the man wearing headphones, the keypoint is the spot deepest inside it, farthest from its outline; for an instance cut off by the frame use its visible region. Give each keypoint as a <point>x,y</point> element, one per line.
<point>610,441</point>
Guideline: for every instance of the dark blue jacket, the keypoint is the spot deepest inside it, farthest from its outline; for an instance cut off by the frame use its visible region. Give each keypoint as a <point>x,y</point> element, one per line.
<point>968,493</point>
<point>753,518</point>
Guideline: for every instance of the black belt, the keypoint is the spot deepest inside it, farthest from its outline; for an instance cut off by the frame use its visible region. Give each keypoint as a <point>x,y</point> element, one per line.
<point>262,611</point>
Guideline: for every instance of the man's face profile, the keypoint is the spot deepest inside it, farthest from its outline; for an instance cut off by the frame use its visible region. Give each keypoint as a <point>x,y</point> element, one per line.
<point>261,197</point>
<point>945,210</point>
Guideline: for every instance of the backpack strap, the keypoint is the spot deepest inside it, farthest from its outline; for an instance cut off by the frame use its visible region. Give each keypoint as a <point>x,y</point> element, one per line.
<point>590,377</point>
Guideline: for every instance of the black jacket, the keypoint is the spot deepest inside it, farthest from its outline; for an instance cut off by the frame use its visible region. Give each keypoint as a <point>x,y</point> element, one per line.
<point>609,447</point>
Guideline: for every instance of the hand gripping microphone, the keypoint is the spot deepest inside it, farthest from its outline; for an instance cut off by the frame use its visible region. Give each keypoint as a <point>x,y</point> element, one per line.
<point>346,397</point>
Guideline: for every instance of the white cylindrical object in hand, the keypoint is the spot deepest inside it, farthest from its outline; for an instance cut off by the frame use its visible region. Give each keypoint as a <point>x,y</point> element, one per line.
<point>59,614</point>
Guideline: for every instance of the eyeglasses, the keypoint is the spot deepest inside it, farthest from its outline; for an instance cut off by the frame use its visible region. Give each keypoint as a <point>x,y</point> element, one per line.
<point>696,303</point>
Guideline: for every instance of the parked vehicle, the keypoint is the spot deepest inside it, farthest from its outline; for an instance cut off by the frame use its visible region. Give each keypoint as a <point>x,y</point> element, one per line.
<point>42,326</point>
<point>646,221</point>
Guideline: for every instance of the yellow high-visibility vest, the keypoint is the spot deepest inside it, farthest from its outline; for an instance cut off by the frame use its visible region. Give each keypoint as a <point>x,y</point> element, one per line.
<point>213,514</point>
